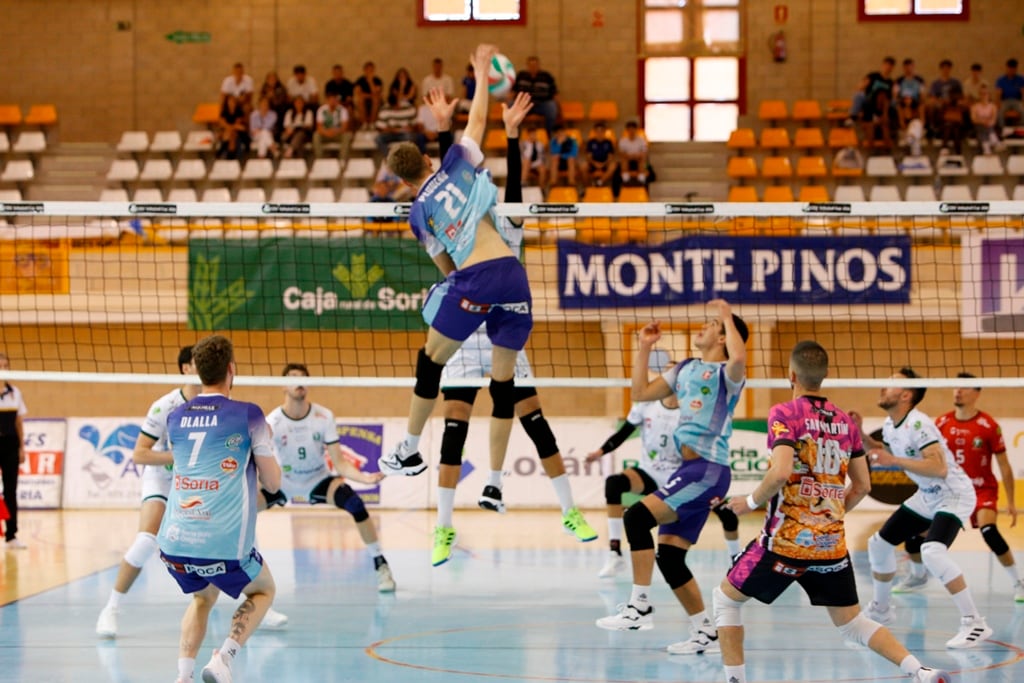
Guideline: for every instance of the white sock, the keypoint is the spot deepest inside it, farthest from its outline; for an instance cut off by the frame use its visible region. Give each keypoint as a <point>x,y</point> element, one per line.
<point>736,674</point>
<point>445,506</point>
<point>115,599</point>
<point>700,620</point>
<point>494,479</point>
<point>1011,571</point>
<point>910,665</point>
<point>615,527</point>
<point>965,603</point>
<point>639,597</point>
<point>413,442</point>
<point>883,592</point>
<point>918,570</point>
<point>563,491</point>
<point>374,549</point>
<point>229,650</point>
<point>187,668</point>
<point>733,546</point>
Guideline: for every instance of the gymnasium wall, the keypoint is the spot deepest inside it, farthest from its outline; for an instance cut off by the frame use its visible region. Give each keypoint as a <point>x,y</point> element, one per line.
<point>105,80</point>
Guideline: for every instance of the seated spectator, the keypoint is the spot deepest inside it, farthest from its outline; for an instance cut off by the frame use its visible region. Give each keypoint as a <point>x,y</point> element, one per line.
<point>396,122</point>
<point>985,117</point>
<point>233,130</point>
<point>387,187</point>
<point>403,88</point>
<point>275,92</point>
<point>909,84</point>
<point>601,166</point>
<point>563,156</point>
<point>332,126</point>
<point>340,86</point>
<point>972,85</point>
<point>262,125</point>
<point>426,127</point>
<point>952,114</point>
<point>303,85</point>
<point>940,95</point>
<point>1008,87</point>
<point>857,103</point>
<point>369,92</point>
<point>468,88</point>
<point>238,84</point>
<point>437,78</point>
<point>534,155</point>
<point>299,127</point>
<point>911,124</point>
<point>877,116</point>
<point>542,89</point>
<point>633,155</point>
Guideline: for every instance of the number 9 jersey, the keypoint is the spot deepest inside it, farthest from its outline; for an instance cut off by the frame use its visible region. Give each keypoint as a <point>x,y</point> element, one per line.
<point>300,445</point>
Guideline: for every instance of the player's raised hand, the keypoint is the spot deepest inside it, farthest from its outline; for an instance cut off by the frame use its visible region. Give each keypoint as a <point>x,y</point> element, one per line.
<point>650,334</point>
<point>440,107</point>
<point>514,115</point>
<point>724,309</point>
<point>481,61</point>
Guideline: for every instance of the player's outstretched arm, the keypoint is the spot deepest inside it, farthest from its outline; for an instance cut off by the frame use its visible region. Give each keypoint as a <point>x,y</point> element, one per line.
<point>642,389</point>
<point>613,441</point>
<point>1009,485</point>
<point>145,455</point>
<point>774,479</point>
<point>350,471</point>
<point>481,61</point>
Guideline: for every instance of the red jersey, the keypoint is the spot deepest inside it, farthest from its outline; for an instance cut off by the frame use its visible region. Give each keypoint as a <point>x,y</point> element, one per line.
<point>973,443</point>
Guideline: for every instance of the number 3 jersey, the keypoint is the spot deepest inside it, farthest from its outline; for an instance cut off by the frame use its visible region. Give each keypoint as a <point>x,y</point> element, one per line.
<point>300,445</point>
<point>660,457</point>
<point>805,518</point>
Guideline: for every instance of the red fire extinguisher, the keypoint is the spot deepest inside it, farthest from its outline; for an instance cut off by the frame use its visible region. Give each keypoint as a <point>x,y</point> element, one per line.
<point>777,43</point>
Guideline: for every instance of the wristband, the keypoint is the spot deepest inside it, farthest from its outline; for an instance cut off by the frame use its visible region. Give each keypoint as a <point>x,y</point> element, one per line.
<point>751,503</point>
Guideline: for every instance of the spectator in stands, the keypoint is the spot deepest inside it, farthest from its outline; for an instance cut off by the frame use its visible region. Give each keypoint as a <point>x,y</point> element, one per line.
<point>564,156</point>
<point>303,85</point>
<point>542,89</point>
<point>973,83</point>
<point>275,92</point>
<point>909,84</point>
<point>878,114</point>
<point>426,127</point>
<point>299,126</point>
<point>340,86</point>
<point>232,130</point>
<point>239,84</point>
<point>468,88</point>
<point>985,117</point>
<point>403,88</point>
<point>601,167</point>
<point>369,91</point>
<point>396,122</point>
<point>262,126</point>
<point>633,155</point>
<point>911,124</point>
<point>332,127</point>
<point>534,155</point>
<point>437,78</point>
<point>387,187</point>
<point>952,115</point>
<point>1009,87</point>
<point>940,96</point>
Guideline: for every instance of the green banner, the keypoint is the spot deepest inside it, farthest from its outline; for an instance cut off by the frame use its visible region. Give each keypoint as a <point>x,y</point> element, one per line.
<point>360,283</point>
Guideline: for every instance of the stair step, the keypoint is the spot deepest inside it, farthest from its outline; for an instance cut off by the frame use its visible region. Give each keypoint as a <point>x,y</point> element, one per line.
<point>63,192</point>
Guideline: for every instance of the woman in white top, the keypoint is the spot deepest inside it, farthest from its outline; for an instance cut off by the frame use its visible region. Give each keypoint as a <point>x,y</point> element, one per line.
<point>298,128</point>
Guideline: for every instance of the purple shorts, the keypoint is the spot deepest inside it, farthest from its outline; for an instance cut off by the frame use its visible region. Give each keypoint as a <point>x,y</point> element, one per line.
<point>230,576</point>
<point>493,292</point>
<point>692,490</point>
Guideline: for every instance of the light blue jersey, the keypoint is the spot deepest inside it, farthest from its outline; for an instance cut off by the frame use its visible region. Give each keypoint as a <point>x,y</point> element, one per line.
<point>707,399</point>
<point>211,510</point>
<point>449,207</point>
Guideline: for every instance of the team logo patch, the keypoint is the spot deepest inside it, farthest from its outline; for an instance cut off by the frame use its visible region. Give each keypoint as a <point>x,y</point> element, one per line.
<point>977,443</point>
<point>705,390</point>
<point>191,502</point>
<point>708,374</point>
<point>917,425</point>
<point>787,570</point>
<point>778,428</point>
<point>696,404</point>
<point>233,442</point>
<point>228,465</point>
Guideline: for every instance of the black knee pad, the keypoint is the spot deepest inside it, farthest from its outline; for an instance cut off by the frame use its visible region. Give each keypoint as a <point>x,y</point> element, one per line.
<point>728,518</point>
<point>994,539</point>
<point>453,441</point>
<point>464,394</point>
<point>638,522</point>
<point>539,431</point>
<point>913,545</point>
<point>614,486</point>
<point>349,501</point>
<point>672,564</point>
<point>503,394</point>
<point>523,393</point>
<point>428,376</point>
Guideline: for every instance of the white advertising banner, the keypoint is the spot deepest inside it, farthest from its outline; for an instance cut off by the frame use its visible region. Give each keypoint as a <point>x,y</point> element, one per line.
<point>39,478</point>
<point>99,471</point>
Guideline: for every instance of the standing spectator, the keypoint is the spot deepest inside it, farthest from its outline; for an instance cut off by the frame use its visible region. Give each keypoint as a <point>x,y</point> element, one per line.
<point>542,89</point>
<point>468,88</point>
<point>940,96</point>
<point>238,84</point>
<point>340,86</point>
<point>396,123</point>
<point>437,78</point>
<point>299,126</point>
<point>303,85</point>
<point>564,156</point>
<point>275,92</point>
<point>262,124</point>
<point>12,451</point>
<point>403,88</point>
<point>1009,86</point>
<point>332,126</point>
<point>984,116</point>
<point>909,84</point>
<point>601,166</point>
<point>972,86</point>
<point>234,130</point>
<point>633,155</point>
<point>535,158</point>
<point>369,93</point>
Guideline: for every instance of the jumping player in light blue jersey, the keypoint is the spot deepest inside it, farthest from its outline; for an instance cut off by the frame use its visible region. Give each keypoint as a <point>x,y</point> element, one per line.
<point>220,448</point>
<point>485,285</point>
<point>707,389</point>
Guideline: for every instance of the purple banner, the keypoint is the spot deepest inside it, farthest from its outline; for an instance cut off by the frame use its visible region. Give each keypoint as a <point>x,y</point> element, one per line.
<point>361,444</point>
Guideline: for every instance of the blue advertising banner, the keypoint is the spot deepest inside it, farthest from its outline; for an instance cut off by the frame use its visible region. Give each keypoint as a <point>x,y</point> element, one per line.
<point>760,270</point>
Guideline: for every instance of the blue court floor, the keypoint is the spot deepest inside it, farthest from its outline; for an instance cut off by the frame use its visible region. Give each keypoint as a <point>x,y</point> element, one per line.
<point>494,614</point>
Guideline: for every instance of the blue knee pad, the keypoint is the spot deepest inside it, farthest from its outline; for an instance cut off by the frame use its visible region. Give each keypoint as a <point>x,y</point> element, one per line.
<point>349,501</point>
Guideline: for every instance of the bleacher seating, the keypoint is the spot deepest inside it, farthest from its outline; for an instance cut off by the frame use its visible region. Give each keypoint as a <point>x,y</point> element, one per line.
<point>30,142</point>
<point>133,142</point>
<point>190,171</point>
<point>167,142</point>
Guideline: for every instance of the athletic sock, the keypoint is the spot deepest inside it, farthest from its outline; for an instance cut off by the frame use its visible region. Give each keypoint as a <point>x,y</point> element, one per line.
<point>229,649</point>
<point>413,442</point>
<point>965,603</point>
<point>1011,571</point>
<point>910,665</point>
<point>701,621</point>
<point>114,601</point>
<point>445,506</point>
<point>494,479</point>
<point>615,528</point>
<point>373,549</point>
<point>736,674</point>
<point>187,668</point>
<point>883,592</point>
<point>639,597</point>
<point>563,491</point>
<point>733,546</point>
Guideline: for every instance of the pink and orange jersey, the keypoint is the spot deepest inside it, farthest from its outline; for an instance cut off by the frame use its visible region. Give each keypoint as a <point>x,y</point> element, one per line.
<point>805,518</point>
<point>973,442</point>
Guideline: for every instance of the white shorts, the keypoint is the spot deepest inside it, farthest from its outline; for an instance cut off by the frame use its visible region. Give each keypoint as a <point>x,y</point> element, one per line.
<point>298,488</point>
<point>473,361</point>
<point>958,502</point>
<point>156,482</point>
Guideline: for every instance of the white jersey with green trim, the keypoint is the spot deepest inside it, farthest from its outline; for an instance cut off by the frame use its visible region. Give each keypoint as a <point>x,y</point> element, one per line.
<point>657,423</point>
<point>910,437</point>
<point>300,447</point>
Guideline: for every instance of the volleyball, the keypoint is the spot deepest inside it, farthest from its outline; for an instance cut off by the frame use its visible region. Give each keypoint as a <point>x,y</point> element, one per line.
<point>501,77</point>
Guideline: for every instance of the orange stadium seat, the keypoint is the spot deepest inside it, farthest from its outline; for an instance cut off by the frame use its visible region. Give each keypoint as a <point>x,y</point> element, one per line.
<point>842,137</point>
<point>814,193</point>
<point>206,113</point>
<point>775,138</point>
<point>808,138</point>
<point>563,195</point>
<point>778,193</point>
<point>742,167</point>
<point>777,167</point>
<point>632,194</point>
<point>742,193</point>
<point>806,110</point>
<point>598,194</point>
<point>576,135</point>
<point>811,167</point>
<point>772,110</point>
<point>496,141</point>
<point>572,111</point>
<point>10,115</point>
<point>494,112</point>
<point>742,138</point>
<point>838,110</point>
<point>603,110</point>
<point>41,115</point>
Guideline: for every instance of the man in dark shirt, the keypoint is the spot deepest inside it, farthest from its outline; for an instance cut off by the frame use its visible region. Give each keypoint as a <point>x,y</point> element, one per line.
<point>601,164</point>
<point>542,89</point>
<point>1009,87</point>
<point>340,86</point>
<point>368,95</point>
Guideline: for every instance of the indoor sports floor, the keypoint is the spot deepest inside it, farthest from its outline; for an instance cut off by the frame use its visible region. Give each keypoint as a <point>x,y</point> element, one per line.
<point>517,603</point>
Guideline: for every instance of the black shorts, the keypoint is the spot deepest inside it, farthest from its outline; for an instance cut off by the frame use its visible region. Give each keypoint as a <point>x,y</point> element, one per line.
<point>764,575</point>
<point>650,486</point>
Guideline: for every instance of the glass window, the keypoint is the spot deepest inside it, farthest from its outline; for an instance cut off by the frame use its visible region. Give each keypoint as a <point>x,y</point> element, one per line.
<point>888,6</point>
<point>717,78</point>
<point>666,79</point>
<point>714,122</point>
<point>667,122</point>
<point>663,27</point>
<point>913,10</point>
<point>938,6</point>
<point>721,26</point>
<point>471,11</point>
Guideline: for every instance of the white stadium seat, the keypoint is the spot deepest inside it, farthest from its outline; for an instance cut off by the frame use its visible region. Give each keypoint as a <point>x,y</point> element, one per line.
<point>133,142</point>
<point>30,142</point>
<point>255,195</point>
<point>291,169</point>
<point>987,165</point>
<point>921,193</point>
<point>190,170</point>
<point>880,167</point>
<point>285,195</point>
<point>321,195</point>
<point>849,193</point>
<point>156,170</point>
<point>953,165</point>
<point>1015,165</point>
<point>258,169</point>
<point>123,171</point>
<point>216,194</point>
<point>325,169</point>
<point>148,195</point>
<point>114,194</point>
<point>180,195</point>
<point>199,141</point>
<point>992,193</point>
<point>355,194</point>
<point>956,193</point>
<point>1018,193</point>
<point>5,143</point>
<point>166,141</point>
<point>916,166</point>
<point>225,171</point>
<point>10,194</point>
<point>18,171</point>
<point>360,169</point>
<point>498,166</point>
<point>884,193</point>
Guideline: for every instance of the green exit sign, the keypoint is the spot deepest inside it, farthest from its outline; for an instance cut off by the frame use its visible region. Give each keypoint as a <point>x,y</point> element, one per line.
<point>181,37</point>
